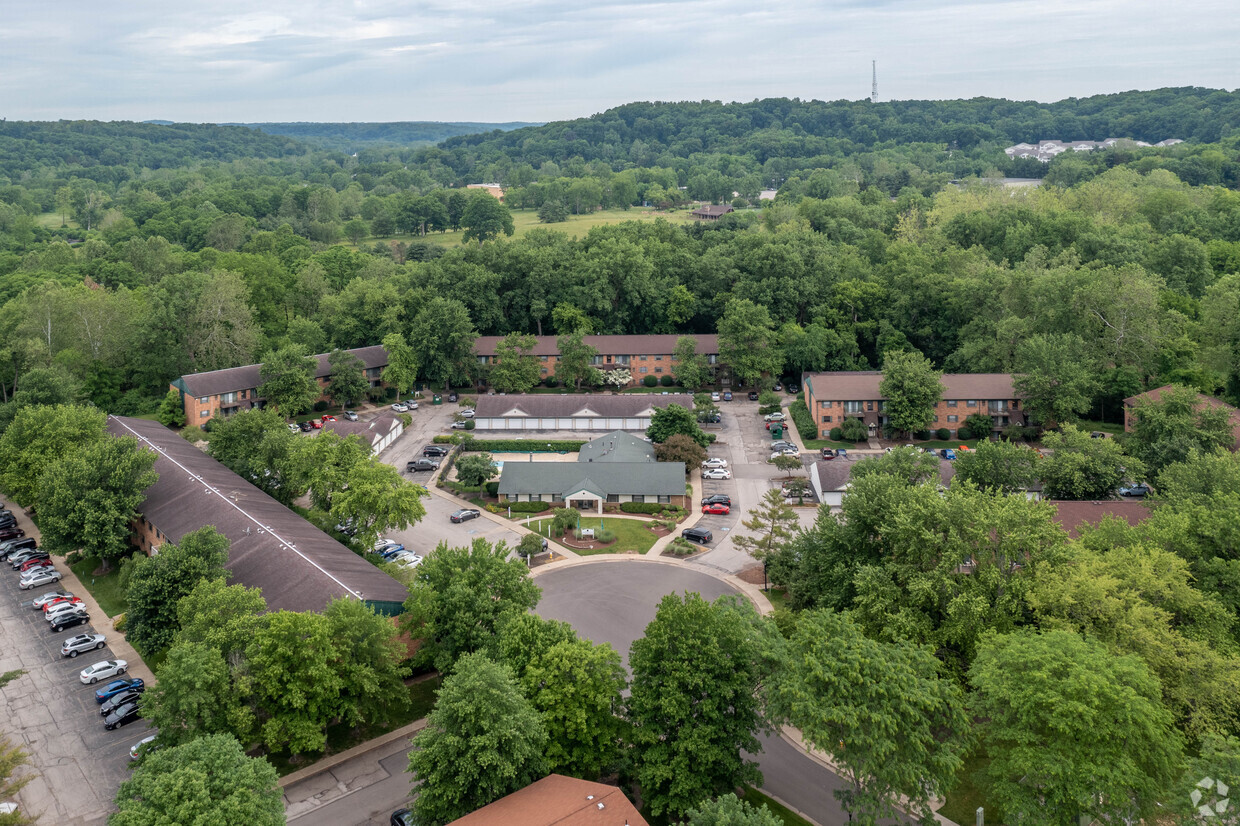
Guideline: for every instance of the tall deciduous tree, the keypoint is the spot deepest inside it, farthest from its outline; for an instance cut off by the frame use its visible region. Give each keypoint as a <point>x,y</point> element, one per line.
<point>747,341</point>
<point>681,447</point>
<point>772,522</point>
<point>39,437</point>
<point>694,704</point>
<point>221,331</point>
<point>894,725</point>
<point>287,380</point>
<point>1054,381</point>
<point>172,409</point>
<point>912,388</point>
<point>258,447</point>
<point>475,468</point>
<point>485,218</point>
<point>158,583</point>
<point>348,383</point>
<point>442,338</point>
<point>730,810</point>
<point>88,499</point>
<point>574,364</point>
<point>690,368</point>
<point>196,697</point>
<point>999,466</point>
<point>1071,729</point>
<point>208,780</point>
<point>376,498</point>
<point>674,419</point>
<point>402,366</point>
<point>516,368</point>
<point>1079,467</point>
<point>482,742</point>
<point>1178,422</point>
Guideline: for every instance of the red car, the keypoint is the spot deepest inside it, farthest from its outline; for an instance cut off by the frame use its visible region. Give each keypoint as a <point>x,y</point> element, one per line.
<point>61,601</point>
<point>317,424</point>
<point>716,507</point>
<point>35,563</point>
<point>329,418</point>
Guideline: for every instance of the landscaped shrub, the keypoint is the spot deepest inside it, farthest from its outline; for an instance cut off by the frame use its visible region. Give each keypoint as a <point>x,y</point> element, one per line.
<point>803,419</point>
<point>964,433</point>
<point>641,507</point>
<point>942,434</point>
<point>650,381</point>
<point>834,434</point>
<point>854,430</point>
<point>492,488</point>
<point>442,440</point>
<point>765,409</point>
<point>321,405</point>
<point>470,424</point>
<point>769,398</point>
<point>526,507</point>
<point>375,395</point>
<point>922,435</point>
<point>209,425</point>
<point>389,393</point>
<point>551,381</point>
<point>667,381</point>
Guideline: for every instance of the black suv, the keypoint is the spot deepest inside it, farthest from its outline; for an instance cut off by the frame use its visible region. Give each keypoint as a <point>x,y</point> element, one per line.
<point>753,395</point>
<point>435,450</point>
<point>421,464</point>
<point>69,620</point>
<point>13,546</point>
<point>698,535</point>
<point>718,499</point>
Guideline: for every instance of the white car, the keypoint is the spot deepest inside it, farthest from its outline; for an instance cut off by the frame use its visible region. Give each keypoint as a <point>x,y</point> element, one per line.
<point>64,609</point>
<point>400,407</point>
<point>294,428</point>
<point>44,599</point>
<point>716,473</point>
<point>467,413</point>
<point>43,576</point>
<point>82,642</point>
<point>407,559</point>
<point>714,397</point>
<point>412,405</point>
<point>784,452</point>
<point>715,462</point>
<point>774,417</point>
<point>102,671</point>
<point>142,747</point>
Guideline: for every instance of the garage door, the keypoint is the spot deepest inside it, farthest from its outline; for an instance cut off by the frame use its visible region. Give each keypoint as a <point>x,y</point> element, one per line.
<point>633,423</point>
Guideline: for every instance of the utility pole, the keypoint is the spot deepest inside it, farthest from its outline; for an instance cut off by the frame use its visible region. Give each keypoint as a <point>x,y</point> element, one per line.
<point>874,88</point>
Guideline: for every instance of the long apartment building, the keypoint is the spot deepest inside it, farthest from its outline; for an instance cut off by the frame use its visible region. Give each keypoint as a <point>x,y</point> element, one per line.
<point>642,355</point>
<point>834,397</point>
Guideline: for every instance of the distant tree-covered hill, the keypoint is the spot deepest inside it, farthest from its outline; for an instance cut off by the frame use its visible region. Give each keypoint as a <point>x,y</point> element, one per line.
<point>350,137</point>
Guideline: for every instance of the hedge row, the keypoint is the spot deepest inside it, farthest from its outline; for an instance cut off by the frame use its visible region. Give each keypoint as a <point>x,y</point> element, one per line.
<point>526,507</point>
<point>652,508</point>
<point>803,419</point>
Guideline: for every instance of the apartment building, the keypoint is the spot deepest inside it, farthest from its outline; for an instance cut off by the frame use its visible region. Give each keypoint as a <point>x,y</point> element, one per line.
<point>1132,406</point>
<point>642,355</point>
<point>833,397</point>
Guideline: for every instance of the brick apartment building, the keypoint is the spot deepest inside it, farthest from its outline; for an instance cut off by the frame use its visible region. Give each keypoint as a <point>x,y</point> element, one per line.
<point>641,355</point>
<point>1133,402</point>
<point>224,392</point>
<point>833,397</point>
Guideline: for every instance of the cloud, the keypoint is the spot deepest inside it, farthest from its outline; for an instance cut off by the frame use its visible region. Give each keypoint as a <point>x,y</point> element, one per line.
<point>546,59</point>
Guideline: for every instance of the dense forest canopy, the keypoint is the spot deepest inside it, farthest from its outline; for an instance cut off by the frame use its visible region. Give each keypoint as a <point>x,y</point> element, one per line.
<point>350,137</point>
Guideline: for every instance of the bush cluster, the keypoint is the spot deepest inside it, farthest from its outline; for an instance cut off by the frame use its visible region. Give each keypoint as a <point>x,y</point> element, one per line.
<point>803,419</point>
<point>650,381</point>
<point>667,381</point>
<point>525,507</point>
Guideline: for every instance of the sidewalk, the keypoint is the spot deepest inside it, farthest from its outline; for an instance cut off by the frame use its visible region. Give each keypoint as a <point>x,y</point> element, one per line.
<point>102,623</point>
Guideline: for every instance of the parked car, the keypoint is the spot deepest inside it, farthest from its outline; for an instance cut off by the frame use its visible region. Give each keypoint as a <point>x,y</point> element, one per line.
<point>421,464</point>
<point>317,424</point>
<point>753,395</point>
<point>467,413</point>
<point>72,600</point>
<point>305,427</point>
<point>411,404</point>
<point>95,672</point>
<point>716,473</point>
<point>403,817</point>
<point>407,559</point>
<point>794,388</point>
<point>350,415</point>
<point>699,535</point>
<point>393,552</point>
<point>11,532</point>
<point>82,642</point>
<point>782,444</point>
<point>454,398</point>
<point>460,424</point>
<point>68,621</point>
<point>16,559</point>
<point>1138,490</point>
<point>435,450</point>
<point>292,426</point>
<point>778,387</point>
<point>720,498</point>
<point>828,454</point>
<point>65,610</point>
<point>112,704</point>
<point>727,395</point>
<point>714,397</point>
<point>123,715</point>
<point>12,546</point>
<point>37,562</point>
<point>717,508</point>
<point>948,454</point>
<point>117,686</point>
<point>400,407</point>
<point>715,461</point>
<point>142,747</point>
<point>328,418</point>
<point>784,452</point>
<point>347,527</point>
<point>464,514</point>
<point>1097,434</point>
<point>51,598</point>
<point>43,576</point>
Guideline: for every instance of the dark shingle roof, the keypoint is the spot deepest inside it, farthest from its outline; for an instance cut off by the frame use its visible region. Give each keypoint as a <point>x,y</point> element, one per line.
<point>368,431</point>
<point>601,478</point>
<point>1072,516</point>
<point>243,378</point>
<point>862,385</point>
<point>606,405</point>
<point>297,566</point>
<point>654,345</point>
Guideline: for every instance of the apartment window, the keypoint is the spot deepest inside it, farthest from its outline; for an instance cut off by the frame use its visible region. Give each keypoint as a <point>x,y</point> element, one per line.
<point>542,359</point>
<point>609,359</point>
<point>952,418</point>
<point>203,400</point>
<point>202,414</point>
<point>658,358</point>
<point>854,407</point>
<point>658,369</point>
<point>951,402</point>
<point>622,359</point>
<point>997,407</point>
<point>1015,404</point>
<point>869,405</point>
<point>596,360</point>
<point>665,500</point>
<point>642,357</point>
<point>882,406</point>
<point>228,397</point>
<point>637,497</point>
<point>971,403</point>
<point>825,405</point>
<point>643,370</point>
<point>827,419</point>
<point>613,497</point>
<point>482,359</point>
<point>712,359</point>
<point>536,497</point>
<point>544,371</point>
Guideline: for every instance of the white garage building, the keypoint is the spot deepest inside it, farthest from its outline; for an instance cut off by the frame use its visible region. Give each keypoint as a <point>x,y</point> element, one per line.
<point>601,413</point>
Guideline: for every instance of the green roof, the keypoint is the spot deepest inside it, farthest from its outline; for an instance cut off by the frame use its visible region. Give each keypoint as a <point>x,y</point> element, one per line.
<point>601,478</point>
<point>617,446</point>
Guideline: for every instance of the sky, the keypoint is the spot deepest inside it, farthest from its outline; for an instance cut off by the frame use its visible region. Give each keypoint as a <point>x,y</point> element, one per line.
<point>542,60</point>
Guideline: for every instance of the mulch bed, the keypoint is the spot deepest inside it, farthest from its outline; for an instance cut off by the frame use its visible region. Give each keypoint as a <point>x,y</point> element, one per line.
<point>752,575</point>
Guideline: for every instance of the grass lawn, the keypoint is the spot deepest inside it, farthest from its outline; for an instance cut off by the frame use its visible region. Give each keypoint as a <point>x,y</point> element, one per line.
<point>342,738</point>
<point>778,597</point>
<point>1105,427</point>
<point>52,220</point>
<point>756,798</point>
<point>935,444</point>
<point>631,535</point>
<point>962,801</point>
<point>819,444</point>
<point>105,589</point>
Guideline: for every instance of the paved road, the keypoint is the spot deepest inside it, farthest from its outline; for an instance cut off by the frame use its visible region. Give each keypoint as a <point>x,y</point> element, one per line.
<point>615,602</point>
<point>384,789</point>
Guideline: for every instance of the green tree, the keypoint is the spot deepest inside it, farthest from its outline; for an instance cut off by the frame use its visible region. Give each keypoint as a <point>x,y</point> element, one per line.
<point>680,447</point>
<point>690,368</point>
<point>355,230</point>
<point>369,663</point>
<point>730,810</point>
<point>516,368</point>
<point>157,584</point>
<point>223,617</point>
<point>979,426</point>
<point>575,360</point>
<point>552,212</point>
<point>257,446</point>
<point>671,420</point>
<point>1179,422</point>
<point>772,523</point>
<point>287,380</point>
<point>461,597</point>
<point>473,469</point>
<point>747,341</point>
<point>576,687</point>
<point>401,371</point>
<point>894,725</point>
<point>912,388</point>
<point>908,464</point>
<point>530,544</point>
<point>11,759</point>
<point>1071,729</point>
<point>207,780</point>
<point>377,499</point>
<point>41,386</point>
<point>786,463</point>
<point>482,742</point>
<point>1054,381</point>
<point>694,703</point>
<point>1079,467</point>
<point>1217,758</point>
<point>172,409</point>
<point>88,499</point>
<point>524,637</point>
<point>485,218</point>
<point>442,338</point>
<point>999,466</point>
<point>348,383</point>
<point>327,461</point>
<point>195,697</point>
<point>38,438</point>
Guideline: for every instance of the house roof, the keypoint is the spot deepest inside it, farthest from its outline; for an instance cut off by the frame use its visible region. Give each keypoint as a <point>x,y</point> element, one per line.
<point>600,478</point>
<point>369,432</point>
<point>657,345</point>
<point>1155,395</point>
<point>243,378</point>
<point>617,446</point>
<point>1072,516</point>
<point>712,210</point>
<point>834,475</point>
<point>297,566</point>
<point>862,385</point>
<point>607,405</point>
<point>557,800</point>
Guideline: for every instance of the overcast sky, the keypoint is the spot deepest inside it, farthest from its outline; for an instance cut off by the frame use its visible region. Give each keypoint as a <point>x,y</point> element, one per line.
<point>539,60</point>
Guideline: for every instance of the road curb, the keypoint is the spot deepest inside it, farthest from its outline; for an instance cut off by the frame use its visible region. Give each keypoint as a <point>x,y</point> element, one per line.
<point>329,763</point>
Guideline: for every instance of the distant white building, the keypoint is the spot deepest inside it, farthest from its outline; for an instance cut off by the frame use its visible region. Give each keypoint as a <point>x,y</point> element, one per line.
<point>1045,150</point>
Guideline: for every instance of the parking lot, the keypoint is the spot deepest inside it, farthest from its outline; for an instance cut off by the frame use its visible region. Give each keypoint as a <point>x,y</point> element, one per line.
<point>77,765</point>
